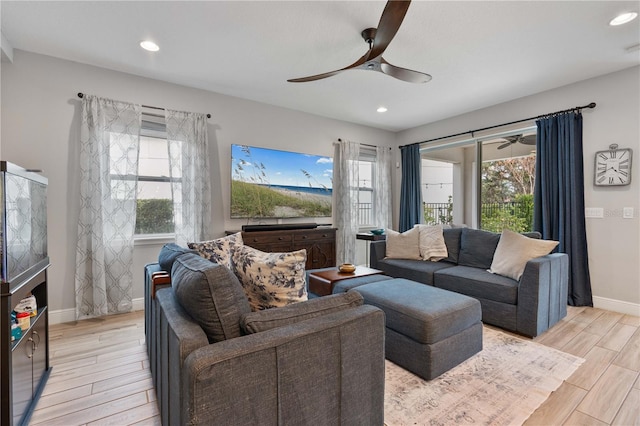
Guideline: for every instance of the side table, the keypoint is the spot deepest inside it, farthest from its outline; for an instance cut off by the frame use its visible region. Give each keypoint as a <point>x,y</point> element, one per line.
<point>323,282</point>
<point>368,237</point>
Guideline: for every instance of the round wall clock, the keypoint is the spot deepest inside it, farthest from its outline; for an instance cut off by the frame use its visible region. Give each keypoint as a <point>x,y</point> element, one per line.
<point>613,167</point>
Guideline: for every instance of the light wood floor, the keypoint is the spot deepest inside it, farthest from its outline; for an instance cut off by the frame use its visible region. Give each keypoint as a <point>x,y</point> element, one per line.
<point>101,374</point>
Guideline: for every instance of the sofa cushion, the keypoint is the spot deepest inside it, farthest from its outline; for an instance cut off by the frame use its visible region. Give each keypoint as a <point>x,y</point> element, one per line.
<point>255,322</point>
<point>211,295</point>
<point>431,243</point>
<point>477,283</point>
<point>169,253</point>
<point>452,241</point>
<point>415,270</point>
<point>477,248</point>
<point>219,250</point>
<point>515,250</point>
<point>271,280</point>
<point>404,245</point>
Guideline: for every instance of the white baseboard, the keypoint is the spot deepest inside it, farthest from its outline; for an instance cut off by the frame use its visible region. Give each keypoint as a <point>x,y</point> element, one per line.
<point>68,315</point>
<point>616,306</point>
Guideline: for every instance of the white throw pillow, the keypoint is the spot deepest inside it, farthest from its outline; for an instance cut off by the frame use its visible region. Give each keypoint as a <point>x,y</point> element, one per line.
<point>515,250</point>
<point>432,246</point>
<point>403,246</point>
<point>220,250</point>
<point>271,280</point>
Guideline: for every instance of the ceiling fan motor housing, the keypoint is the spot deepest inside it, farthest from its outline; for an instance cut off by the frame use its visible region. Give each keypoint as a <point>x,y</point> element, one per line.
<point>369,35</point>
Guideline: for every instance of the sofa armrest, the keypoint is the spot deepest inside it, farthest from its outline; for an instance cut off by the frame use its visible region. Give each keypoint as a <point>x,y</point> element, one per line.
<point>326,370</point>
<point>377,251</point>
<point>149,308</point>
<point>542,293</point>
<point>174,337</point>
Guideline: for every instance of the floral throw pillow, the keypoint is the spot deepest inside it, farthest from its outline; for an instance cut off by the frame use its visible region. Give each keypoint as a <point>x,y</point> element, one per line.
<point>271,280</point>
<point>220,250</point>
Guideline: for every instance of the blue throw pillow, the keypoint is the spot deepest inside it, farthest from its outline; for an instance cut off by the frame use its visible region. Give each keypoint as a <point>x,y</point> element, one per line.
<point>477,248</point>
<point>169,253</point>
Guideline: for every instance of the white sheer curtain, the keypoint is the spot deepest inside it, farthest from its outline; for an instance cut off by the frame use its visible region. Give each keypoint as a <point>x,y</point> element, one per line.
<point>189,170</point>
<point>109,145</point>
<point>345,199</point>
<point>382,187</point>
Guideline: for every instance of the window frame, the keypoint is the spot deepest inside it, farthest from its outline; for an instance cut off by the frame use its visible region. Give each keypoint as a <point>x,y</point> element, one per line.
<point>369,155</point>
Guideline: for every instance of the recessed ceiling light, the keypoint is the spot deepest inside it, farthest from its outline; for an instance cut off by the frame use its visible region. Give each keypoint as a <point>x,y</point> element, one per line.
<point>149,45</point>
<point>381,109</point>
<point>623,18</point>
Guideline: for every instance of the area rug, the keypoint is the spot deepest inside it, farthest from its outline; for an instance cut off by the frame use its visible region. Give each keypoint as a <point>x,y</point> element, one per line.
<point>501,385</point>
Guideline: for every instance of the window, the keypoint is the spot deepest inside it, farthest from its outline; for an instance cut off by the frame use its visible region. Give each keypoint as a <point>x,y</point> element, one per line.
<point>365,193</point>
<point>154,201</point>
<point>154,209</point>
<point>366,186</point>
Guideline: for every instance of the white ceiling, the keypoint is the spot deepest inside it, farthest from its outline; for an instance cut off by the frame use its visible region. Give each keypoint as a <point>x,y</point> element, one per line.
<point>479,53</point>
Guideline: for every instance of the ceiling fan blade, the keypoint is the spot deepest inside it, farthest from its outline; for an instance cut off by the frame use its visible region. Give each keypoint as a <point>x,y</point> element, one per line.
<point>504,145</point>
<point>528,140</point>
<point>392,16</point>
<point>356,64</point>
<point>403,73</point>
<point>315,77</point>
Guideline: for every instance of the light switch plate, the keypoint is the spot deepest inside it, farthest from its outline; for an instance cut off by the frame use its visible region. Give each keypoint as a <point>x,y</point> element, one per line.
<point>594,212</point>
<point>627,213</point>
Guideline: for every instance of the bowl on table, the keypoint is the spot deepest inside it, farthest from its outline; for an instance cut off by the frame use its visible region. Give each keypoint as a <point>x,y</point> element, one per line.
<point>347,268</point>
<point>377,231</point>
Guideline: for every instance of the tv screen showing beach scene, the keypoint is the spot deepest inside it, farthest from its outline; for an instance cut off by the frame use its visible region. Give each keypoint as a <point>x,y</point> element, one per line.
<point>269,183</point>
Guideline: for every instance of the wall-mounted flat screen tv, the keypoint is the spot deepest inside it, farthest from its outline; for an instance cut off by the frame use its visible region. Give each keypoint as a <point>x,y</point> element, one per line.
<point>269,183</point>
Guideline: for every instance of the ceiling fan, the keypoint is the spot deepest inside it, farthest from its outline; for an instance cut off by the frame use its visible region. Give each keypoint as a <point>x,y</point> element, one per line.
<point>378,40</point>
<point>526,140</point>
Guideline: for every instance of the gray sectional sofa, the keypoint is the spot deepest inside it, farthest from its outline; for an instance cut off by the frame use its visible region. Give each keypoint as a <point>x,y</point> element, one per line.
<point>528,306</point>
<point>213,361</point>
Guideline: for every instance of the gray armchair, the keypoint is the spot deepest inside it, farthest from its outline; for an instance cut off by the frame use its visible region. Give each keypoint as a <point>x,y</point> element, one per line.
<point>319,362</point>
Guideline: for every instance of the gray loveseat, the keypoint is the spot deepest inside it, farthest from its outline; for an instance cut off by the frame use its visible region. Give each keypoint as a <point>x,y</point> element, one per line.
<point>528,306</point>
<point>213,361</point>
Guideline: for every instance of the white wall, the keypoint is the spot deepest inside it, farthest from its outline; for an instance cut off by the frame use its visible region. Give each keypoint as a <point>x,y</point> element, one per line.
<point>613,242</point>
<point>40,122</point>
<point>40,117</point>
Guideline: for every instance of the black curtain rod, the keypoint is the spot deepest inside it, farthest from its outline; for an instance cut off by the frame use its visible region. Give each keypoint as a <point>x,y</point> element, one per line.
<point>578,108</point>
<point>81,95</point>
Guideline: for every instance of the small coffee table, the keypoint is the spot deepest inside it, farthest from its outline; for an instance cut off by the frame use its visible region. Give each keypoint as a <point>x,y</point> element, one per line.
<point>322,282</point>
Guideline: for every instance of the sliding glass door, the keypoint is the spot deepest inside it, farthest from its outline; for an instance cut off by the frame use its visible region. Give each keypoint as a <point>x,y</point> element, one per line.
<point>507,182</point>
<point>494,196</point>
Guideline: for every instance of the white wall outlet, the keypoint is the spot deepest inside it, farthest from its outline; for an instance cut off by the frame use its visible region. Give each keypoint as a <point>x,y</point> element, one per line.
<point>627,212</point>
<point>594,212</point>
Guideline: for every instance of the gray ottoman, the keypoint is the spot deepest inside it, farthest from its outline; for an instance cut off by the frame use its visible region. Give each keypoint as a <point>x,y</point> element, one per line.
<point>428,330</point>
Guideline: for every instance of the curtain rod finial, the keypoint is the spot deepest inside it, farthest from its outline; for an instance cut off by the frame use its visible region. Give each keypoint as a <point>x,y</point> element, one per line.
<point>80,95</point>
<point>592,105</point>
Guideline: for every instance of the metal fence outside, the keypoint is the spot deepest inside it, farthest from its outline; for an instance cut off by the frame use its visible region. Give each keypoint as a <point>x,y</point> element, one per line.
<point>495,216</point>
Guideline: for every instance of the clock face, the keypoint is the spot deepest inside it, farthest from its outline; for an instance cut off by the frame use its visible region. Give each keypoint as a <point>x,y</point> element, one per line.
<point>613,167</point>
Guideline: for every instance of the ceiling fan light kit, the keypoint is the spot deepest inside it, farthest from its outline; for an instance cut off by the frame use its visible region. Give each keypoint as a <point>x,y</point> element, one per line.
<point>378,40</point>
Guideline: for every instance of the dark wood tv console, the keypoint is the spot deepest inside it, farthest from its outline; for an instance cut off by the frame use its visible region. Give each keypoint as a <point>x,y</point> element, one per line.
<point>320,244</point>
